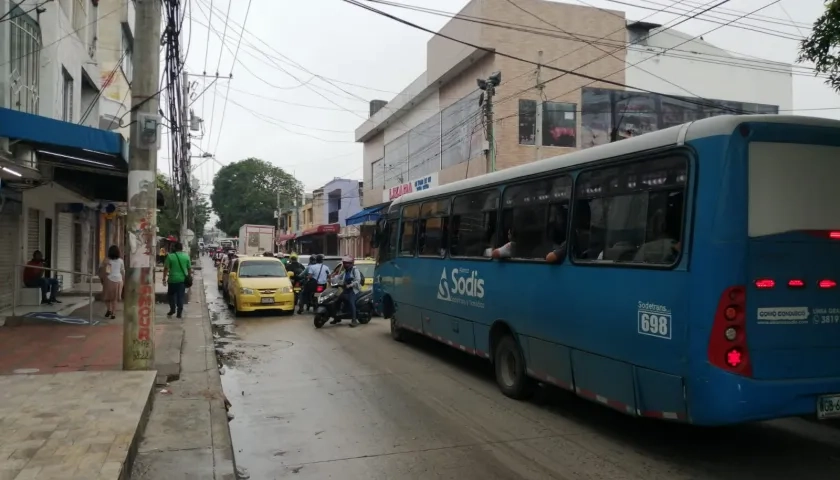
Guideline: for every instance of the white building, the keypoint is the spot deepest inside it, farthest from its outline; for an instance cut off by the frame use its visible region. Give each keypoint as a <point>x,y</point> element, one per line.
<point>62,178</point>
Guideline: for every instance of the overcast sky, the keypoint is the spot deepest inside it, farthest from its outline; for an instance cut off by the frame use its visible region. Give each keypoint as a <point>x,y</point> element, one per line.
<point>305,125</point>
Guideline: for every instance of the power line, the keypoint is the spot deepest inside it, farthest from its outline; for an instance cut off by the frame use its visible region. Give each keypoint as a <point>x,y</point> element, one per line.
<point>218,63</point>
<point>227,93</point>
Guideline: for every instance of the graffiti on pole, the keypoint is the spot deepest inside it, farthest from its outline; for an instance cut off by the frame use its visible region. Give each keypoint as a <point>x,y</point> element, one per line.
<point>139,326</point>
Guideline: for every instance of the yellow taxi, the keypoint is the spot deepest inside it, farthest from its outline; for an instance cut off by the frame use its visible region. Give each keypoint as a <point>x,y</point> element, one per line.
<point>365,267</point>
<point>220,275</point>
<point>259,283</point>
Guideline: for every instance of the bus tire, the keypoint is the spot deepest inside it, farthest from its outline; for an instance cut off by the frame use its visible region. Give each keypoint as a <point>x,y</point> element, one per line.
<point>509,364</point>
<point>397,333</point>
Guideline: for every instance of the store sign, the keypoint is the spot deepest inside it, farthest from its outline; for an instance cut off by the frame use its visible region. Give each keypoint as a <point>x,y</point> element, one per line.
<point>422,183</point>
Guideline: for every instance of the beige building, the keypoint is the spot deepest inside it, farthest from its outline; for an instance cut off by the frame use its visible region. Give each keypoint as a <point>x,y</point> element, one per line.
<point>432,132</point>
<point>116,68</point>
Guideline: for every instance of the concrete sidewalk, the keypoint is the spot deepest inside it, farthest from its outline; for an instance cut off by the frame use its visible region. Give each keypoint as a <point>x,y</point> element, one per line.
<point>187,436</point>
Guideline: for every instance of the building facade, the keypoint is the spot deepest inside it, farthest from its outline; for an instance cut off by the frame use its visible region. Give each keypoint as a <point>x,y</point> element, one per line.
<point>433,132</point>
<point>63,180</point>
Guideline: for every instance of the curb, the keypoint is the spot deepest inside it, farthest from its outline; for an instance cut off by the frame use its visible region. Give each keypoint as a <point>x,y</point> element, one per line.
<point>128,463</point>
<point>219,413</point>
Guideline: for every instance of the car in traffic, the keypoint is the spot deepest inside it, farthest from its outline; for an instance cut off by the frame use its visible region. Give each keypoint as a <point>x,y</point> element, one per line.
<point>259,283</point>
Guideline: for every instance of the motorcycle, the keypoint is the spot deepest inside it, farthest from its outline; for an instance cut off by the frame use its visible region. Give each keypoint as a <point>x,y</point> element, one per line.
<point>330,299</point>
<point>297,285</point>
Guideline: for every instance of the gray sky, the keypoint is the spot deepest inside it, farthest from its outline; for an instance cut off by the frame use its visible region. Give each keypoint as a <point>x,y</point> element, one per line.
<point>341,42</point>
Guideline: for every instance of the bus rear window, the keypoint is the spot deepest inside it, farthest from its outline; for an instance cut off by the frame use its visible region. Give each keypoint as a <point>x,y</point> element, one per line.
<point>792,187</point>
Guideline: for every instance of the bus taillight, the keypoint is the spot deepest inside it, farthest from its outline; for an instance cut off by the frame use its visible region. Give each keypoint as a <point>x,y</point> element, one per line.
<point>827,283</point>
<point>796,283</point>
<point>765,283</point>
<point>728,340</point>
<point>834,235</point>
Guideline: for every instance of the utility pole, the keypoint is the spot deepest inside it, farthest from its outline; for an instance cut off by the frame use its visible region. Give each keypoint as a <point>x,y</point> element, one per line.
<point>139,323</point>
<point>538,117</point>
<point>186,171</point>
<point>489,87</point>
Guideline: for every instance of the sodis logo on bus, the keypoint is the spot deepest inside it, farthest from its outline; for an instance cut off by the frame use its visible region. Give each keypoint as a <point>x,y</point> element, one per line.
<point>463,282</point>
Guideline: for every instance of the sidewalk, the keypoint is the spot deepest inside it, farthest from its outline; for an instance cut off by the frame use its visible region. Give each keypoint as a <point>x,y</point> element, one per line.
<point>67,411</point>
<point>187,436</point>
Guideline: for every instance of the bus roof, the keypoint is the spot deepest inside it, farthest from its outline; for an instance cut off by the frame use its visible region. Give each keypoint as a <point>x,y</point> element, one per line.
<point>707,127</point>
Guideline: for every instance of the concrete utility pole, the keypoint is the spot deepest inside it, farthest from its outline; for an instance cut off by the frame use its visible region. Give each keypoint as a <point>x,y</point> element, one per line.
<point>489,87</point>
<point>185,155</point>
<point>141,232</point>
<point>538,117</point>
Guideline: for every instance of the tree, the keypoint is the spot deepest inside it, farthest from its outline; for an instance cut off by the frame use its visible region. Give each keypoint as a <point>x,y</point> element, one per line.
<point>246,192</point>
<point>168,220</point>
<point>823,46</point>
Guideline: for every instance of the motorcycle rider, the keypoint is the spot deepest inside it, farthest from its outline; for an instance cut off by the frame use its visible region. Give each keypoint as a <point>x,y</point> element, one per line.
<point>316,274</point>
<point>350,277</point>
<point>295,266</point>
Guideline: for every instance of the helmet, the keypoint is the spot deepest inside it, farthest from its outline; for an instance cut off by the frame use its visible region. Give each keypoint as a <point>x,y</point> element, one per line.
<point>319,258</point>
<point>293,256</point>
<point>347,260</point>
<point>268,254</point>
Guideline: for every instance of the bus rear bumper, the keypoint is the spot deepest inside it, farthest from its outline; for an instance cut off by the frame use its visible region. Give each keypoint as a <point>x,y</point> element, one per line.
<point>721,398</point>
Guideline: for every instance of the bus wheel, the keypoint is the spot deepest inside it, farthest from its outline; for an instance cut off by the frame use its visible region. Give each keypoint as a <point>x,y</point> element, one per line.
<point>397,333</point>
<point>509,364</point>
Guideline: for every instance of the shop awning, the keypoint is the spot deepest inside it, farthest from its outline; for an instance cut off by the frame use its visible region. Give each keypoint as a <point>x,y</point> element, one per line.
<point>370,214</point>
<point>322,229</point>
<point>63,139</point>
<point>282,237</point>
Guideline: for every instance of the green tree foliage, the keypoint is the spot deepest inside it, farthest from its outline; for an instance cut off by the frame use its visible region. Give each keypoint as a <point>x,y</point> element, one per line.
<point>245,192</point>
<point>823,46</point>
<point>167,220</point>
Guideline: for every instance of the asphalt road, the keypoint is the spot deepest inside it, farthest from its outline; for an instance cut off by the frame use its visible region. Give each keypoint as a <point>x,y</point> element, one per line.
<point>353,404</point>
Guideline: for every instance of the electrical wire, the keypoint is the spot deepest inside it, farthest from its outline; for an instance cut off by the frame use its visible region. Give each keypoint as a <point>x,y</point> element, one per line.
<point>21,14</point>
<point>218,63</point>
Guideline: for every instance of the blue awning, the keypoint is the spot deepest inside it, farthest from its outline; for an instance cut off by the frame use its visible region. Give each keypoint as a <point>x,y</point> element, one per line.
<point>370,214</point>
<point>68,138</point>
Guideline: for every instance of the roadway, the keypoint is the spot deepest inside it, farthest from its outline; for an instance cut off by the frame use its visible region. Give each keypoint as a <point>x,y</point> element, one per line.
<point>354,404</point>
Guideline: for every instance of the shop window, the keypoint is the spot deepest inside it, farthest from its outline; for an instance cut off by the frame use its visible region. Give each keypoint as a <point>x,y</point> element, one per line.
<point>527,122</point>
<point>559,124</point>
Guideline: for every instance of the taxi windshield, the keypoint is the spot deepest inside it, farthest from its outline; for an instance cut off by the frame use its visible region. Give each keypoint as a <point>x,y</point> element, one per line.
<point>365,269</point>
<point>262,269</point>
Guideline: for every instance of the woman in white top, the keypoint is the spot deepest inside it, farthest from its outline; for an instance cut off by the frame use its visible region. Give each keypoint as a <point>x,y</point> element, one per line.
<point>112,274</point>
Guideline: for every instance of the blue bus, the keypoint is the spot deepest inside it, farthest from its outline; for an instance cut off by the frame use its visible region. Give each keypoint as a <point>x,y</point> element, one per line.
<point>688,274</point>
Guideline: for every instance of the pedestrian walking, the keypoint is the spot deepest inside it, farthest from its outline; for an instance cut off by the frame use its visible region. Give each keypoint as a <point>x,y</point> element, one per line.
<point>177,271</point>
<point>112,275</point>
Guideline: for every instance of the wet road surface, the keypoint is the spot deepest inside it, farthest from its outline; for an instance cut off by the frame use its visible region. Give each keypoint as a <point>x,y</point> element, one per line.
<point>353,404</point>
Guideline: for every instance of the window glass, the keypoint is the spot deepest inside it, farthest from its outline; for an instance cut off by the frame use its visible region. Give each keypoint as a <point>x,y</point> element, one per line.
<point>262,269</point>
<point>408,238</point>
<point>411,211</point>
<point>461,127</point>
<point>424,148</point>
<point>387,248</point>
<point>396,162</point>
<point>535,218</point>
<point>559,124</point>
<point>378,174</point>
<point>434,228</point>
<point>631,213</point>
<point>473,224</point>
<point>527,122</point>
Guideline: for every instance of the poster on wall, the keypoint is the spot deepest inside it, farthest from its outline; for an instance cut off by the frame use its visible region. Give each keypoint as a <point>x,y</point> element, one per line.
<point>609,115</point>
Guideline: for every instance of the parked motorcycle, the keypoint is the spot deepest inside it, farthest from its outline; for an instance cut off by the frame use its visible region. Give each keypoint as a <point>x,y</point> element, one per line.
<point>330,305</point>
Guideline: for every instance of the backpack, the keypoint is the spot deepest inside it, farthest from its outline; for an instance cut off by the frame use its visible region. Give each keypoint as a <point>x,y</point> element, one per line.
<point>361,275</point>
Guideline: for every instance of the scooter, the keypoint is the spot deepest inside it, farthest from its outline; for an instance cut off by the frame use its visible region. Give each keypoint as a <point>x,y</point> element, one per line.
<point>297,286</point>
<point>328,305</point>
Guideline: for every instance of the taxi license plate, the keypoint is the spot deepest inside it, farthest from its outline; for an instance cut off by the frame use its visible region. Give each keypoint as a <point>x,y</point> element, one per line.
<point>828,406</point>
<point>267,300</point>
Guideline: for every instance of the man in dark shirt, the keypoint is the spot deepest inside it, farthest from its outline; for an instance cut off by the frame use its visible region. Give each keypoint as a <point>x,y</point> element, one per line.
<point>33,277</point>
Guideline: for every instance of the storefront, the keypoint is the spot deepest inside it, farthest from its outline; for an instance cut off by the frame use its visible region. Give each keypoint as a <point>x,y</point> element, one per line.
<point>350,241</point>
<point>365,224</point>
<point>321,239</point>
<point>10,213</point>
<point>285,242</point>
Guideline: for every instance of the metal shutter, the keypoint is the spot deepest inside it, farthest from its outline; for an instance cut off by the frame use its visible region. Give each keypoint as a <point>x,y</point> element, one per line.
<point>33,232</point>
<point>9,234</point>
<point>64,249</point>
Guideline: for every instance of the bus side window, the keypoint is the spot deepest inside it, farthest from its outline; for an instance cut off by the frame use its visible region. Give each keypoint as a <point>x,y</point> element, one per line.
<point>474,223</point>
<point>632,213</point>
<point>408,232</point>
<point>387,249</point>
<point>534,219</point>
<point>434,228</point>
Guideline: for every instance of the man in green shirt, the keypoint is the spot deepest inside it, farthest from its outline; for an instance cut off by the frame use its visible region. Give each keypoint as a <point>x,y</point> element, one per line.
<point>176,268</point>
